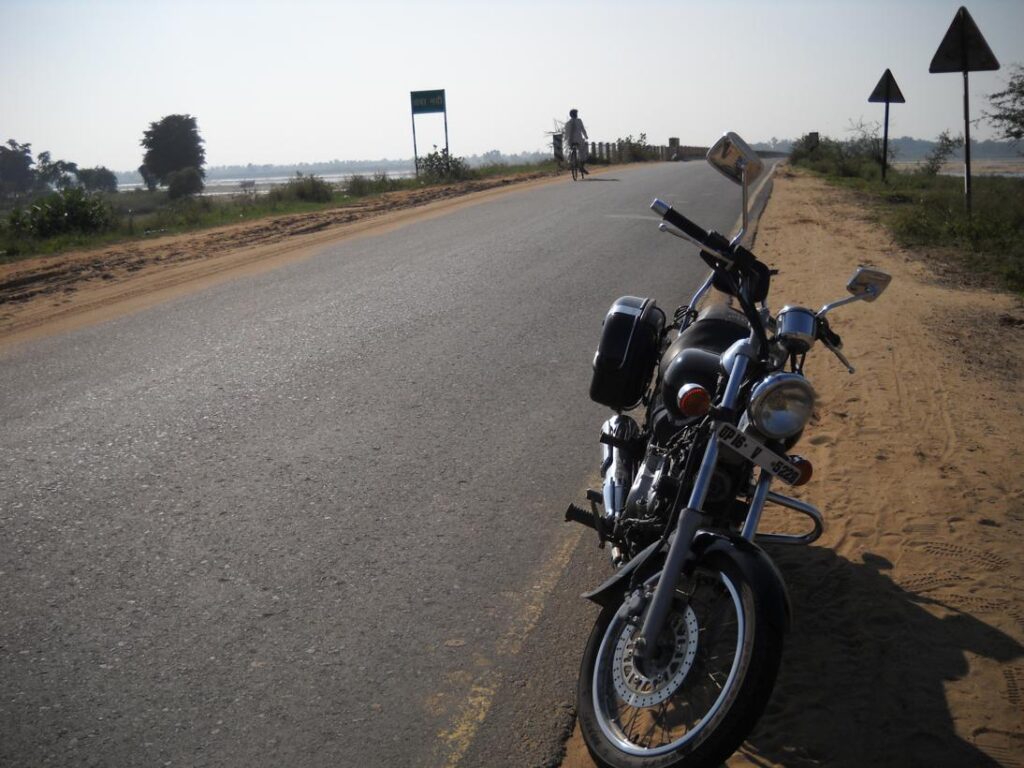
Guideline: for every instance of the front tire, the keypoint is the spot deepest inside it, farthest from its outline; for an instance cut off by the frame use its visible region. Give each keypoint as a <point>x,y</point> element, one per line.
<point>713,671</point>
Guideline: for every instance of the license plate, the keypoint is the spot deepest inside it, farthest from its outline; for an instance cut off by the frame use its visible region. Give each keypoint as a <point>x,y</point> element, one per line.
<point>752,448</point>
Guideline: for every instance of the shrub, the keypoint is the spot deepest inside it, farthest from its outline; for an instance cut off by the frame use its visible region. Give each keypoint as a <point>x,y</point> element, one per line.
<point>70,210</point>
<point>439,166</point>
<point>138,201</point>
<point>359,185</point>
<point>855,158</point>
<point>310,189</point>
<point>187,211</point>
<point>635,150</point>
<point>185,182</point>
<point>945,147</point>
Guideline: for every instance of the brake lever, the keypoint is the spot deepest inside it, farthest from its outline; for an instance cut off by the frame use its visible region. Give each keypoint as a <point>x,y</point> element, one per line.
<point>670,230</point>
<point>840,355</point>
<point>832,341</point>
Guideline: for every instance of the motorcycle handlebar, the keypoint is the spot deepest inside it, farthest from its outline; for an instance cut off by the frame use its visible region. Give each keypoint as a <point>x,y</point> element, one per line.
<point>716,247</point>
<point>677,220</point>
<point>712,241</point>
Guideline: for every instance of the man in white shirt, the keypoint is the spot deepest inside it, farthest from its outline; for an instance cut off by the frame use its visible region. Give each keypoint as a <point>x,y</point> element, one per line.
<point>575,133</point>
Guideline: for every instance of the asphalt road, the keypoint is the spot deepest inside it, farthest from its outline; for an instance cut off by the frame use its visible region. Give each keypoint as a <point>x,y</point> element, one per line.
<point>313,517</point>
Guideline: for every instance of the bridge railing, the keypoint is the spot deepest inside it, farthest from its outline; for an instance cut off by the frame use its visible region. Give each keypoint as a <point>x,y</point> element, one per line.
<point>625,152</point>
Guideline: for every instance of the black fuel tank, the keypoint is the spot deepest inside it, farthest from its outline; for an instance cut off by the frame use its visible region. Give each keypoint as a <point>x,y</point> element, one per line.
<point>695,356</point>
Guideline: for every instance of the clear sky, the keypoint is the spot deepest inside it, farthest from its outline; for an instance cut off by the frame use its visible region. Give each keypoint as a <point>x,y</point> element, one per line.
<point>302,81</point>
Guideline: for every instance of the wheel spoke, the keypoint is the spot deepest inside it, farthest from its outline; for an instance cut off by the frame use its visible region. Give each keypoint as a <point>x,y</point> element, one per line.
<point>711,677</point>
<point>656,720</point>
<point>666,733</point>
<point>632,720</point>
<point>696,656</point>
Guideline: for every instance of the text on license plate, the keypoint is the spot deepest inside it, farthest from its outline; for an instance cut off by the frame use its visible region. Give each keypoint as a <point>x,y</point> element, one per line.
<point>751,448</point>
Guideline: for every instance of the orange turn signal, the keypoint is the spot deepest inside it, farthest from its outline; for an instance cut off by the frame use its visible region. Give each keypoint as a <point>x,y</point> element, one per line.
<point>693,400</point>
<point>805,468</point>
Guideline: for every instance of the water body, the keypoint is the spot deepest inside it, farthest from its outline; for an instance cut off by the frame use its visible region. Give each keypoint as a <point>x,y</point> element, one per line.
<point>262,185</point>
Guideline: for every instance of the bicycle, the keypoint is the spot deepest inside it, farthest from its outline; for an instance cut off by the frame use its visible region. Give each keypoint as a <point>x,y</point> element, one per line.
<point>575,167</point>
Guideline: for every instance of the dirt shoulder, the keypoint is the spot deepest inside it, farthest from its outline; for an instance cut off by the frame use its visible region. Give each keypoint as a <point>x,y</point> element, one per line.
<point>906,647</point>
<point>49,294</point>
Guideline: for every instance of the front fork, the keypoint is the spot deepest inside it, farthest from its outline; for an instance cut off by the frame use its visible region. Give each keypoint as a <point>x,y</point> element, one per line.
<point>690,519</point>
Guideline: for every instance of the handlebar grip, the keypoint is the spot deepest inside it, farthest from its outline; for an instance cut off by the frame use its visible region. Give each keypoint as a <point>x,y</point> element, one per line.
<point>680,222</point>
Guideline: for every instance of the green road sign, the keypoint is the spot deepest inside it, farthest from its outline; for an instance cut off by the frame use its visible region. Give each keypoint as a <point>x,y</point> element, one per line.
<point>424,102</point>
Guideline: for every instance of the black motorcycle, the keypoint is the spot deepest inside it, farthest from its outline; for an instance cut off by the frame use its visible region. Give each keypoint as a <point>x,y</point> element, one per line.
<point>684,654</point>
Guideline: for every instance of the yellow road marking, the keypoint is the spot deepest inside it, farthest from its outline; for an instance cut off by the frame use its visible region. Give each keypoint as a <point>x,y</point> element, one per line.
<point>457,738</point>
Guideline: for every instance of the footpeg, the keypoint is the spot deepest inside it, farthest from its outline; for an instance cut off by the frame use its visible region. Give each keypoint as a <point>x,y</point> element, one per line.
<point>591,519</point>
<point>579,515</point>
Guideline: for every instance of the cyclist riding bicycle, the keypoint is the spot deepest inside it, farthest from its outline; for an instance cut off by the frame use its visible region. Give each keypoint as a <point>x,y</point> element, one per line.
<point>576,136</point>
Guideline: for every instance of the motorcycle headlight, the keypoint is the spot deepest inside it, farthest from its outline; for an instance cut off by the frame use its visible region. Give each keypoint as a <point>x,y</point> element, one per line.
<point>781,405</point>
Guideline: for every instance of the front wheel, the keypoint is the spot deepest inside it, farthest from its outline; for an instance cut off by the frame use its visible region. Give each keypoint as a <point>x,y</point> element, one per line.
<point>706,683</point>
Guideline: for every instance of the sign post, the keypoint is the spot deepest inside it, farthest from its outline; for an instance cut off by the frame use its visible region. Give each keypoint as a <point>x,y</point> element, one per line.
<point>886,91</point>
<point>964,50</point>
<point>427,102</point>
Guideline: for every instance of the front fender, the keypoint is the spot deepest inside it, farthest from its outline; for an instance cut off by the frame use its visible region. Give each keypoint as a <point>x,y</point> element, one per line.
<point>756,566</point>
<point>750,559</point>
<point>648,562</point>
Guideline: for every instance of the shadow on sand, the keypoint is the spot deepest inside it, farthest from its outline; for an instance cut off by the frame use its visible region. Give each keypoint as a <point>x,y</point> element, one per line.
<point>864,670</point>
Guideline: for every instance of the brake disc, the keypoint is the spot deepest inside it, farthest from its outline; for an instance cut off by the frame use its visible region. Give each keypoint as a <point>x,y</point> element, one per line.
<point>638,690</point>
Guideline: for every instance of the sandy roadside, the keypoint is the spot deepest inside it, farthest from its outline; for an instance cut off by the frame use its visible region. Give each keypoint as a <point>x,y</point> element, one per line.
<point>906,648</point>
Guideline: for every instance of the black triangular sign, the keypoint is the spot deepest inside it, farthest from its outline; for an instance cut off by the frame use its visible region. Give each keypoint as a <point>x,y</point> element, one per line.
<point>887,90</point>
<point>963,49</point>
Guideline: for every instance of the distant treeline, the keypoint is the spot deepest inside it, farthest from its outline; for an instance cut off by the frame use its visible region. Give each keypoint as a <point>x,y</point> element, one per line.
<point>335,167</point>
<point>908,148</point>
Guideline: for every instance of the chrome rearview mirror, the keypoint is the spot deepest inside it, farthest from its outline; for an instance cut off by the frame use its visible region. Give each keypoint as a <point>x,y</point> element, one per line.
<point>732,157</point>
<point>867,283</point>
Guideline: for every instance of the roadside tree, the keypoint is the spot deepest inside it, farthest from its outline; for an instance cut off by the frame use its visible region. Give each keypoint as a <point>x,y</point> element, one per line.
<point>1007,113</point>
<point>151,181</point>
<point>16,173</point>
<point>55,174</point>
<point>98,179</point>
<point>171,144</point>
